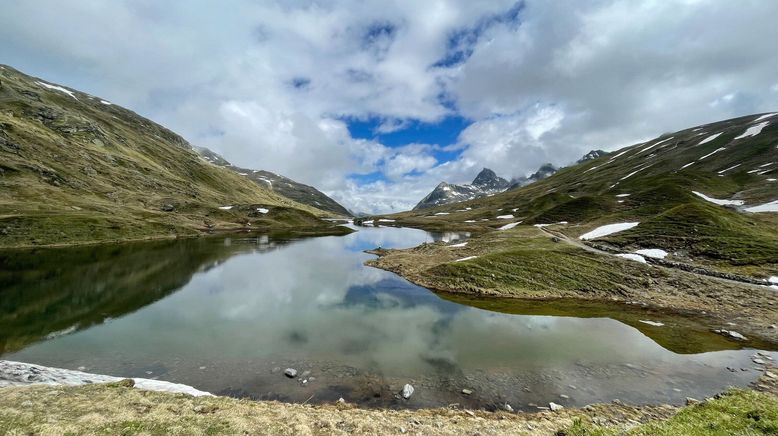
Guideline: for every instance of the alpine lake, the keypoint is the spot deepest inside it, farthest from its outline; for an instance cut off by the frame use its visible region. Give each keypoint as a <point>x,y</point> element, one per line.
<point>228,315</point>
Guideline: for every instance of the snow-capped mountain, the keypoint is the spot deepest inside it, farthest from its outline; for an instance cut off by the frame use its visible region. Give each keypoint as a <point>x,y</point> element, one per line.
<point>485,183</point>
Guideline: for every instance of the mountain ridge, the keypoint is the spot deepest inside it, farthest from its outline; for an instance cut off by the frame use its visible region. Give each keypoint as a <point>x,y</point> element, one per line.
<point>285,186</point>
<point>75,168</point>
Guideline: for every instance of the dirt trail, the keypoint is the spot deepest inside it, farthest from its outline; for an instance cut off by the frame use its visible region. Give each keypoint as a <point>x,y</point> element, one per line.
<point>697,271</point>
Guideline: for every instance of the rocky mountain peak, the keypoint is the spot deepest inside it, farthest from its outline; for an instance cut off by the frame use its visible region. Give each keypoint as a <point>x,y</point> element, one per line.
<point>488,179</point>
<point>591,155</point>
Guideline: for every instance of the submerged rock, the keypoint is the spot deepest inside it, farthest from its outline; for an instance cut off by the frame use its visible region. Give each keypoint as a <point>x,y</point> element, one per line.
<point>467,391</point>
<point>731,333</point>
<point>407,391</point>
<point>290,372</point>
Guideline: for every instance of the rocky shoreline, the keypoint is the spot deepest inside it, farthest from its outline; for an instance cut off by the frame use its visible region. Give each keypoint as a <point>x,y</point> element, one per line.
<point>110,404</point>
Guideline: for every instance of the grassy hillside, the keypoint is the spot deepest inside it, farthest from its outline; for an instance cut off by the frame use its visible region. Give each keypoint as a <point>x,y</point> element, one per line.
<point>75,168</point>
<point>654,183</point>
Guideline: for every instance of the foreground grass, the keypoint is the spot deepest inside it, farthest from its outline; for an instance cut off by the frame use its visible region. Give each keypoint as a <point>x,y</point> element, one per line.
<point>735,413</point>
<point>119,409</point>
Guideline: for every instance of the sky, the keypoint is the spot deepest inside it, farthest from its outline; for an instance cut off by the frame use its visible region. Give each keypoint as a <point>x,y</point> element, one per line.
<point>376,102</point>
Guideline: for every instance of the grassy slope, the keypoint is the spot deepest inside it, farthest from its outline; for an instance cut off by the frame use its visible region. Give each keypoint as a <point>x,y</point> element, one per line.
<point>117,409</point>
<point>660,189</point>
<point>73,169</point>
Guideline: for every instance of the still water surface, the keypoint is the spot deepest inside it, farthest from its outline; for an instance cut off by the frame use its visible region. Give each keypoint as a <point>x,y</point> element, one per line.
<point>228,315</point>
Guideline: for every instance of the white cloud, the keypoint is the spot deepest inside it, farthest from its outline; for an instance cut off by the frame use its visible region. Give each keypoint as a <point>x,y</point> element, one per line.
<point>266,83</point>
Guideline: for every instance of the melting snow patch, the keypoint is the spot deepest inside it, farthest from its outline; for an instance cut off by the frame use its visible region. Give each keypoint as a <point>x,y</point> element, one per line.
<point>466,258</point>
<point>656,253</point>
<point>460,245</point>
<point>635,257</point>
<point>504,217</point>
<point>634,172</point>
<point>262,210</point>
<point>540,226</point>
<point>368,222</point>
<point>107,103</point>
<point>771,180</point>
<point>19,374</point>
<point>225,207</point>
<point>765,116</point>
<point>653,323</point>
<point>623,195</point>
<point>753,130</point>
<point>652,146</point>
<point>469,221</point>
<point>385,220</point>
<point>57,88</point>
<point>592,168</point>
<point>710,138</point>
<point>730,168</point>
<point>606,230</point>
<point>767,207</point>
<point>712,153</point>
<point>510,226</point>
<point>442,213</point>
<point>773,280</point>
<point>614,157</point>
<point>717,201</point>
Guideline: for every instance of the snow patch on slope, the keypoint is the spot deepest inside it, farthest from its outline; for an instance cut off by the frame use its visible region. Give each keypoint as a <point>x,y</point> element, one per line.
<point>607,229</point>
<point>767,207</point>
<point>753,130</point>
<point>718,201</point>
<point>57,88</point>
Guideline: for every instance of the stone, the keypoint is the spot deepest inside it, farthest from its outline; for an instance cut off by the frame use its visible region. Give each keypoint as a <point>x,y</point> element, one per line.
<point>690,401</point>
<point>290,372</point>
<point>467,391</point>
<point>341,400</point>
<point>758,361</point>
<point>508,408</point>
<point>555,407</point>
<point>407,391</point>
<point>167,207</point>
<point>564,397</point>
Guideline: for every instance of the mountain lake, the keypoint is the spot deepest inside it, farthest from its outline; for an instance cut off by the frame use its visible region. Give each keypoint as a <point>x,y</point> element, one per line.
<point>228,315</point>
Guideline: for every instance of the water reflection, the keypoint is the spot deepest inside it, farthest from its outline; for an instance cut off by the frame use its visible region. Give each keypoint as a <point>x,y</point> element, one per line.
<point>247,307</point>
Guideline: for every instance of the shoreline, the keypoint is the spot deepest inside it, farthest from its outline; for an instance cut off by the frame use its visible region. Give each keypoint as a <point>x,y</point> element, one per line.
<point>741,308</point>
<point>104,403</point>
<point>296,231</point>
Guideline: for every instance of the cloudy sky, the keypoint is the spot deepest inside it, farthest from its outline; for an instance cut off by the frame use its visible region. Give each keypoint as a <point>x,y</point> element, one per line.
<point>375,102</point>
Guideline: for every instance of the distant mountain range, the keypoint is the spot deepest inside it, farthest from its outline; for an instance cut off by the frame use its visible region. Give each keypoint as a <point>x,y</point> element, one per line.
<point>285,186</point>
<point>485,183</point>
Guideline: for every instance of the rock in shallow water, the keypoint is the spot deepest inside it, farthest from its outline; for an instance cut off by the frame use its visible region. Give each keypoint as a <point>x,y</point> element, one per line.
<point>290,372</point>
<point>555,407</point>
<point>407,391</point>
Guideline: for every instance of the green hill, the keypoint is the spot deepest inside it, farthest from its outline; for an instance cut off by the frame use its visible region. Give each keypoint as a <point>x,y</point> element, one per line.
<point>704,194</point>
<point>75,168</point>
